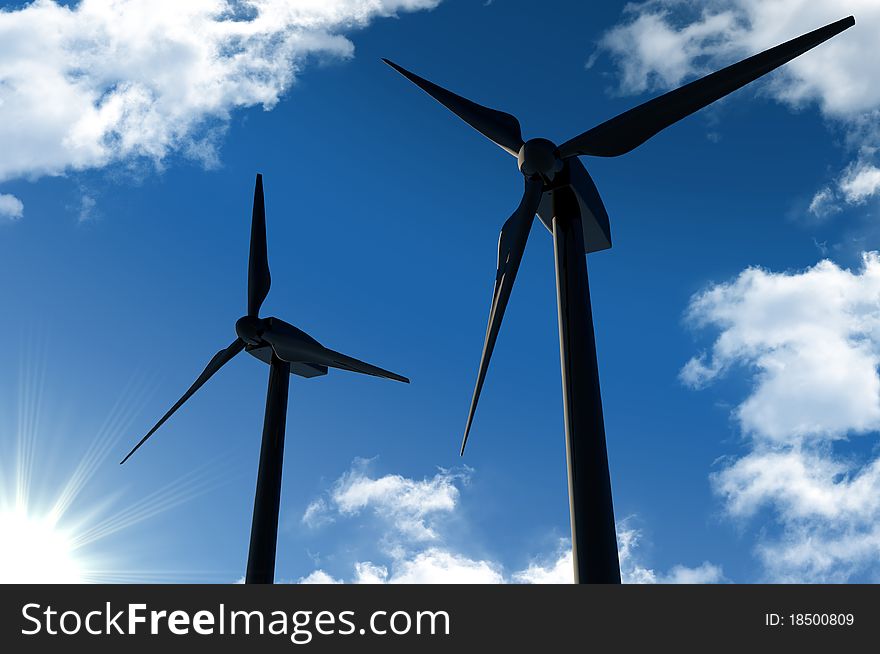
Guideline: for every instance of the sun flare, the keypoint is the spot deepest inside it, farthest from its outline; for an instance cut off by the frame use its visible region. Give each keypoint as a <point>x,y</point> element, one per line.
<point>63,518</point>
<point>34,549</point>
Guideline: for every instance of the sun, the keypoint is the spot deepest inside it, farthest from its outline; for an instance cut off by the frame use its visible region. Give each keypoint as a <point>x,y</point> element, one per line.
<point>35,549</point>
<point>63,518</point>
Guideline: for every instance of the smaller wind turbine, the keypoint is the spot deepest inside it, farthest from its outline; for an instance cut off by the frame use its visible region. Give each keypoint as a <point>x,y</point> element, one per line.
<point>287,350</point>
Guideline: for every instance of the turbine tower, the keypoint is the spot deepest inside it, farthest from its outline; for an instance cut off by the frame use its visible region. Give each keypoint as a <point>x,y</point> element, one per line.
<point>287,350</point>
<point>562,193</point>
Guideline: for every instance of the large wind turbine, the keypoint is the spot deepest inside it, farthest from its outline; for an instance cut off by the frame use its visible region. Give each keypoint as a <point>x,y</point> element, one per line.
<point>287,350</point>
<point>559,189</point>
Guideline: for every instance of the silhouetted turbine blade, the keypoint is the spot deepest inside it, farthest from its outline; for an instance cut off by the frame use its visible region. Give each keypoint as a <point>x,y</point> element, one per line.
<point>259,279</point>
<point>220,359</point>
<point>632,128</point>
<point>344,362</point>
<point>499,127</point>
<point>298,347</point>
<point>511,245</point>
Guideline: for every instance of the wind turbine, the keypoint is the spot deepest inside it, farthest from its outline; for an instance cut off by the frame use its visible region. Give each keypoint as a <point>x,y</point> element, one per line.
<point>559,189</point>
<point>287,350</point>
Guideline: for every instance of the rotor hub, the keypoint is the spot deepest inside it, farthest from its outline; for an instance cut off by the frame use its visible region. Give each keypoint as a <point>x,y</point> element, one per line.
<point>250,329</point>
<point>539,157</point>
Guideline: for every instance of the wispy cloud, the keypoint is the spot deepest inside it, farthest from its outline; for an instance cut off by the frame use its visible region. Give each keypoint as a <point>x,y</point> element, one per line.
<point>860,182</point>
<point>87,208</point>
<point>856,185</point>
<point>11,208</point>
<point>824,203</point>
<point>810,342</point>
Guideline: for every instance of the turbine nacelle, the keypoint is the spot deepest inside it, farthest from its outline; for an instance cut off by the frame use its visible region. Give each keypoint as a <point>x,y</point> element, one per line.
<point>539,157</point>
<point>250,329</point>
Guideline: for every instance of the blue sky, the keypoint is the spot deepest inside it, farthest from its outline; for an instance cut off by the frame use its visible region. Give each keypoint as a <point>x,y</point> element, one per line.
<point>126,270</point>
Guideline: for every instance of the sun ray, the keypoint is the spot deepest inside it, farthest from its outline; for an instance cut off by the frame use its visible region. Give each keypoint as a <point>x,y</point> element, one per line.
<point>30,392</point>
<point>47,532</point>
<point>189,486</point>
<point>119,421</point>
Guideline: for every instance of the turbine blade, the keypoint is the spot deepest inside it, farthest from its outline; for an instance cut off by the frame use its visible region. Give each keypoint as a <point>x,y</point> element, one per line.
<point>220,359</point>
<point>259,279</point>
<point>632,128</point>
<point>511,245</point>
<point>295,346</point>
<point>345,362</point>
<point>499,127</point>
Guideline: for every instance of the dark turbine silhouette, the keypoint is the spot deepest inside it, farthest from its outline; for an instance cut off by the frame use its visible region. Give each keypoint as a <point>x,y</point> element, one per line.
<point>559,189</point>
<point>287,350</point>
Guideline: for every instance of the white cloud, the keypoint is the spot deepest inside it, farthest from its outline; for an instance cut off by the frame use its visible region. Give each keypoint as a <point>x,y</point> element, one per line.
<point>102,81</point>
<point>653,54</point>
<point>796,481</point>
<point>86,208</point>
<point>319,577</point>
<point>705,573</point>
<point>822,556</point>
<point>317,513</point>
<point>432,566</point>
<point>558,570</point>
<point>416,549</point>
<point>824,203</point>
<point>11,208</point>
<point>813,339</point>
<point>633,571</point>
<point>856,185</point>
<point>410,515</point>
<point>662,43</point>
<point>408,505</point>
<point>437,565</point>
<point>810,341</point>
<point>860,182</point>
